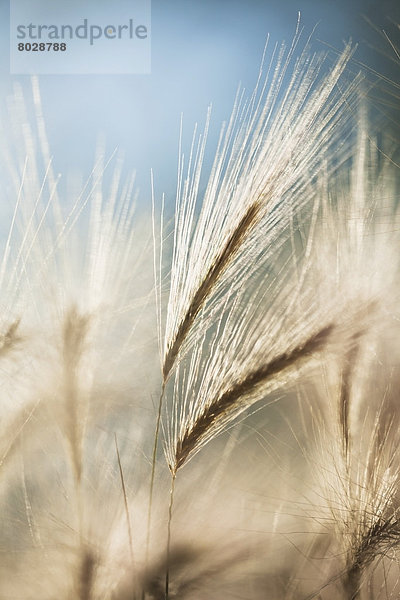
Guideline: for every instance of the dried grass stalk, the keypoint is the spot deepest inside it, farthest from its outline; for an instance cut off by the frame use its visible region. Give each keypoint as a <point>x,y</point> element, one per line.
<point>345,394</point>
<point>260,176</point>
<point>86,574</point>
<point>233,400</point>
<point>74,340</point>
<point>10,339</point>
<point>358,433</point>
<point>216,270</point>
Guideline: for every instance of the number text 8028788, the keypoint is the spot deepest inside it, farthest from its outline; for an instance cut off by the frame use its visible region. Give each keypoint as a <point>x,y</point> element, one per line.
<point>42,47</point>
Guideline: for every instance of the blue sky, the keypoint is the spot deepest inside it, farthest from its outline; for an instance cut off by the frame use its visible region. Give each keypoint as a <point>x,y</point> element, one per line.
<point>200,52</point>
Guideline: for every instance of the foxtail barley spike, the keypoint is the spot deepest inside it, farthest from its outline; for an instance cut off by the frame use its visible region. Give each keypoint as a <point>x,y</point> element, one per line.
<point>216,270</point>
<point>222,405</point>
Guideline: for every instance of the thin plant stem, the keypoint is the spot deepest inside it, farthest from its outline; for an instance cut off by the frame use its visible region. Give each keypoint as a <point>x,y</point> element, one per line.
<point>352,584</point>
<point>171,503</point>
<point>345,395</point>
<point>153,472</point>
<point>128,519</point>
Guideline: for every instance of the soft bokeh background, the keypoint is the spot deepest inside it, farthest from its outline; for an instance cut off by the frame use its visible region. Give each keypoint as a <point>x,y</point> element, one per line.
<point>200,52</point>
